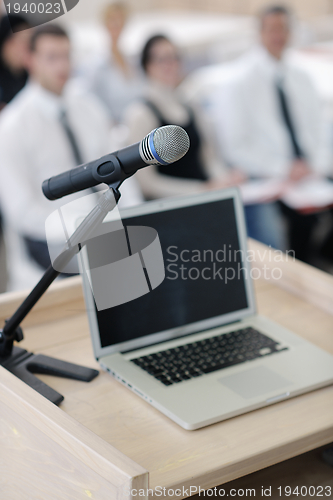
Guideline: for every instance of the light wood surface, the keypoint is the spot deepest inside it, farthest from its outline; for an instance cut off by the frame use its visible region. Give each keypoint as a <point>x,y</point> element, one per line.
<point>172,456</point>
<point>302,280</point>
<point>47,454</point>
<point>306,474</point>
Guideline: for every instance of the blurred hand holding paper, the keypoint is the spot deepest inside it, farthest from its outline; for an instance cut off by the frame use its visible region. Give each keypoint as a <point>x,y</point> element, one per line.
<point>309,194</point>
<point>262,191</point>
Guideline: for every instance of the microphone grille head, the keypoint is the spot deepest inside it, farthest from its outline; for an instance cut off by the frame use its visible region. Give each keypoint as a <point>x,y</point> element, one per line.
<point>171,143</point>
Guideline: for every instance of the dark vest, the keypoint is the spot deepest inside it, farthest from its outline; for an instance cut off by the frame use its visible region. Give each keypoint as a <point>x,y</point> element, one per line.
<point>190,166</point>
<point>10,84</point>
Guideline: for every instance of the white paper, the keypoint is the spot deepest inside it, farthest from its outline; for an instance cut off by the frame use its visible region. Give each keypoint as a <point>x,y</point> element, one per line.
<point>309,193</point>
<point>261,191</point>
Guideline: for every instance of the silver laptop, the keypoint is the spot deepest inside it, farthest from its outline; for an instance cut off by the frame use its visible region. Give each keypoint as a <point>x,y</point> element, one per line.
<point>194,346</point>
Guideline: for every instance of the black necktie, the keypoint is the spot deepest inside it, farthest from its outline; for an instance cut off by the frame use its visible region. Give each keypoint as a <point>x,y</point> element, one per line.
<point>71,138</point>
<point>298,153</point>
<point>73,143</point>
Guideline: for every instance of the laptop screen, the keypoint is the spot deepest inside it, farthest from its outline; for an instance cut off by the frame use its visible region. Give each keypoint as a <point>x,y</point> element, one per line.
<point>204,274</point>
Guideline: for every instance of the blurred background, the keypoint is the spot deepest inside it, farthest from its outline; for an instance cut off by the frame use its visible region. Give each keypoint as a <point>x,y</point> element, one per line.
<point>216,29</point>
<point>210,35</point>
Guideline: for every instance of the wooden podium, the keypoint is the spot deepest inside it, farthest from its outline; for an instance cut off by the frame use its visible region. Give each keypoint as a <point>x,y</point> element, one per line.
<point>104,442</point>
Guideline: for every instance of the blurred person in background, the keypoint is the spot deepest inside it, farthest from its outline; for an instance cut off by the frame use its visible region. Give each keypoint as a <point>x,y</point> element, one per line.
<point>45,131</point>
<point>14,50</point>
<point>113,79</point>
<point>162,104</point>
<point>275,128</point>
<point>13,77</point>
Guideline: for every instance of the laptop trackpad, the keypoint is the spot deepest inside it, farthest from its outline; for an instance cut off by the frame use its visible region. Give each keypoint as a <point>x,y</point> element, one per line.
<point>254,382</point>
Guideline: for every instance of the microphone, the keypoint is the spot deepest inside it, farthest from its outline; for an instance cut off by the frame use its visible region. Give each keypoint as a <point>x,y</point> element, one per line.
<point>162,146</point>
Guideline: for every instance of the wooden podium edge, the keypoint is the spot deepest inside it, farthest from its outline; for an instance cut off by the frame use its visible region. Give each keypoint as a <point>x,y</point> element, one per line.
<point>45,452</point>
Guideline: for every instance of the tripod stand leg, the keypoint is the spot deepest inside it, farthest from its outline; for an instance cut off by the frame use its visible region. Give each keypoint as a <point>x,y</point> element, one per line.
<point>38,363</point>
<point>21,372</point>
<point>24,364</point>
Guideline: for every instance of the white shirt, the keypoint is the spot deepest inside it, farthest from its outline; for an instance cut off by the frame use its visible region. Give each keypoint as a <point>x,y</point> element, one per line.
<point>34,147</point>
<point>114,89</point>
<point>250,123</point>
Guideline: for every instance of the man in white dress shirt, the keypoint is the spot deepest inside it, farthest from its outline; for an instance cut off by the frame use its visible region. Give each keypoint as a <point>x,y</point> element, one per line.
<point>274,128</point>
<point>45,131</point>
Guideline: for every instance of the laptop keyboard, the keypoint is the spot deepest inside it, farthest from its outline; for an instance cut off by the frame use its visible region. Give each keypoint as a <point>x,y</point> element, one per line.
<point>205,356</point>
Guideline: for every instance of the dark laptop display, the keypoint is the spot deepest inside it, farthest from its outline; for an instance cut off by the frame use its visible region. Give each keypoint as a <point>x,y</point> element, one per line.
<point>204,275</point>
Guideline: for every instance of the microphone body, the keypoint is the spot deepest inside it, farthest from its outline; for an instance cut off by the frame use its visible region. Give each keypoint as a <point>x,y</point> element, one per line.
<point>162,146</point>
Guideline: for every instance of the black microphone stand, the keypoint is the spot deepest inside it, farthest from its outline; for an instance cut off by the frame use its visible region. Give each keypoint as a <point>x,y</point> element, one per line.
<point>24,364</point>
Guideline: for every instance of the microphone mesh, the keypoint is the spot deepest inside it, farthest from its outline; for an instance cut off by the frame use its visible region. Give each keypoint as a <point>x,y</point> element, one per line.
<point>171,143</point>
